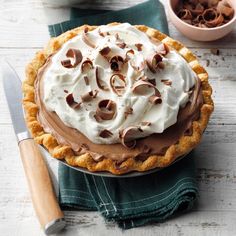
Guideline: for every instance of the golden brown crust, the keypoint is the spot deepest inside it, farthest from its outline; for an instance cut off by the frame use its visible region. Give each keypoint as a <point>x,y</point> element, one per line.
<point>184,145</point>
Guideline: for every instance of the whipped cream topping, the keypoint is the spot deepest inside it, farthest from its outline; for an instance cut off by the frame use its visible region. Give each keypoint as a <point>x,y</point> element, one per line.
<point>132,107</point>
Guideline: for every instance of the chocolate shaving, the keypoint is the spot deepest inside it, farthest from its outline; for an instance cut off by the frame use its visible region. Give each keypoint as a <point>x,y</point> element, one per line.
<point>128,135</point>
<point>145,123</point>
<point>212,18</point>
<point>139,46</point>
<point>121,45</point>
<point>155,98</point>
<point>225,9</point>
<point>86,65</point>
<point>128,53</point>
<point>71,102</point>
<point>215,51</point>
<point>118,83</point>
<point>86,39</point>
<point>117,37</point>
<point>166,82</point>
<point>66,91</point>
<point>67,63</point>
<point>87,97</point>
<point>86,79</point>
<point>76,55</point>
<point>116,62</point>
<point>154,62</point>
<point>105,133</point>
<point>128,111</point>
<point>100,83</point>
<point>163,49</point>
<point>101,33</point>
<point>105,51</point>
<point>205,14</point>
<point>106,110</point>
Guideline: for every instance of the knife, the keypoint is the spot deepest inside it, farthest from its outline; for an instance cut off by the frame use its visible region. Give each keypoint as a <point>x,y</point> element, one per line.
<point>43,197</point>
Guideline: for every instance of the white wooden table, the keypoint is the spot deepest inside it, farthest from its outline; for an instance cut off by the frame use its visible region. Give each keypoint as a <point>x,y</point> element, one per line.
<point>23,30</point>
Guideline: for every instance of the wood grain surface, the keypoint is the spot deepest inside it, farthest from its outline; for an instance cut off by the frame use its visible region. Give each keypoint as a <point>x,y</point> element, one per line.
<point>23,27</point>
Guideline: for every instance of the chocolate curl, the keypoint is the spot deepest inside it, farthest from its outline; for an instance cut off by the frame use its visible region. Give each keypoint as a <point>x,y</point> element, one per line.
<point>118,83</point>
<point>87,97</point>
<point>86,39</point>
<point>163,49</point>
<point>212,18</point>
<point>146,123</point>
<point>105,51</point>
<point>74,54</point>
<point>139,46</point>
<point>166,82</point>
<point>121,45</point>
<point>140,84</point>
<point>199,9</point>
<point>67,63</point>
<point>128,136</point>
<point>71,102</point>
<point>116,62</point>
<point>154,99</point>
<point>225,9</point>
<point>128,111</point>
<point>86,80</point>
<point>101,33</point>
<point>185,14</point>
<point>86,65</point>
<point>154,63</point>
<point>100,83</point>
<point>106,110</point>
<point>105,133</point>
<point>128,54</point>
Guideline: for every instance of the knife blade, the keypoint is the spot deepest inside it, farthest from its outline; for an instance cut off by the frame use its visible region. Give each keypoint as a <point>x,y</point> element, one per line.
<point>44,200</point>
<point>13,92</point>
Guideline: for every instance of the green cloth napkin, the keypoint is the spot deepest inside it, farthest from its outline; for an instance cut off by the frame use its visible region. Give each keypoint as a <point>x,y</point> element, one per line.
<point>136,201</point>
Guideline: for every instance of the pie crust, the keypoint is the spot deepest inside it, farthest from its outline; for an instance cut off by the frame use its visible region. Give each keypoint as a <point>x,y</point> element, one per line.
<point>65,152</point>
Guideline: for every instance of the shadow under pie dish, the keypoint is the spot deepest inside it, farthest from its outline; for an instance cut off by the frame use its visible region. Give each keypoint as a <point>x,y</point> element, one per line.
<point>116,98</point>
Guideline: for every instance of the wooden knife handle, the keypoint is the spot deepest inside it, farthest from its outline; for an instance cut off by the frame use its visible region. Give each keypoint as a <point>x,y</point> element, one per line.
<point>40,185</point>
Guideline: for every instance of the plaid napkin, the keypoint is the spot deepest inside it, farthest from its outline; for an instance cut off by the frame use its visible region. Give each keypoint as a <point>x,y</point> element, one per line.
<point>136,201</point>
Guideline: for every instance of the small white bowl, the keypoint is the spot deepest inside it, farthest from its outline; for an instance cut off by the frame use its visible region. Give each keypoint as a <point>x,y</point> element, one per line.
<point>200,34</point>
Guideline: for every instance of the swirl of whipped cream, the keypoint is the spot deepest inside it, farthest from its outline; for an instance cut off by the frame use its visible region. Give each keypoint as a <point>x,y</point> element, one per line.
<point>133,107</point>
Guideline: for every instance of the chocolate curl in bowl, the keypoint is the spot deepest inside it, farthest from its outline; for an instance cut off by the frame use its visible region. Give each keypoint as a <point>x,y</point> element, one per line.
<point>106,110</point>
<point>74,54</point>
<point>199,9</point>
<point>212,18</point>
<point>139,88</point>
<point>155,62</point>
<point>225,9</point>
<point>185,14</point>
<point>118,84</point>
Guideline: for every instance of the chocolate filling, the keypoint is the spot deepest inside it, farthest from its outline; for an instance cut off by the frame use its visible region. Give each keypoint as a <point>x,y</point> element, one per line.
<point>156,143</point>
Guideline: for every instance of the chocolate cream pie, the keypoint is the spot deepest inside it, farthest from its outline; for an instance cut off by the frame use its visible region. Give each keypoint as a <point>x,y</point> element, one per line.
<point>116,98</point>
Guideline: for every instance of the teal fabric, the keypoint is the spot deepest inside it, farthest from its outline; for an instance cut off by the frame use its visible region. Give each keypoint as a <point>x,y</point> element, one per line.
<point>131,202</point>
<point>150,13</point>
